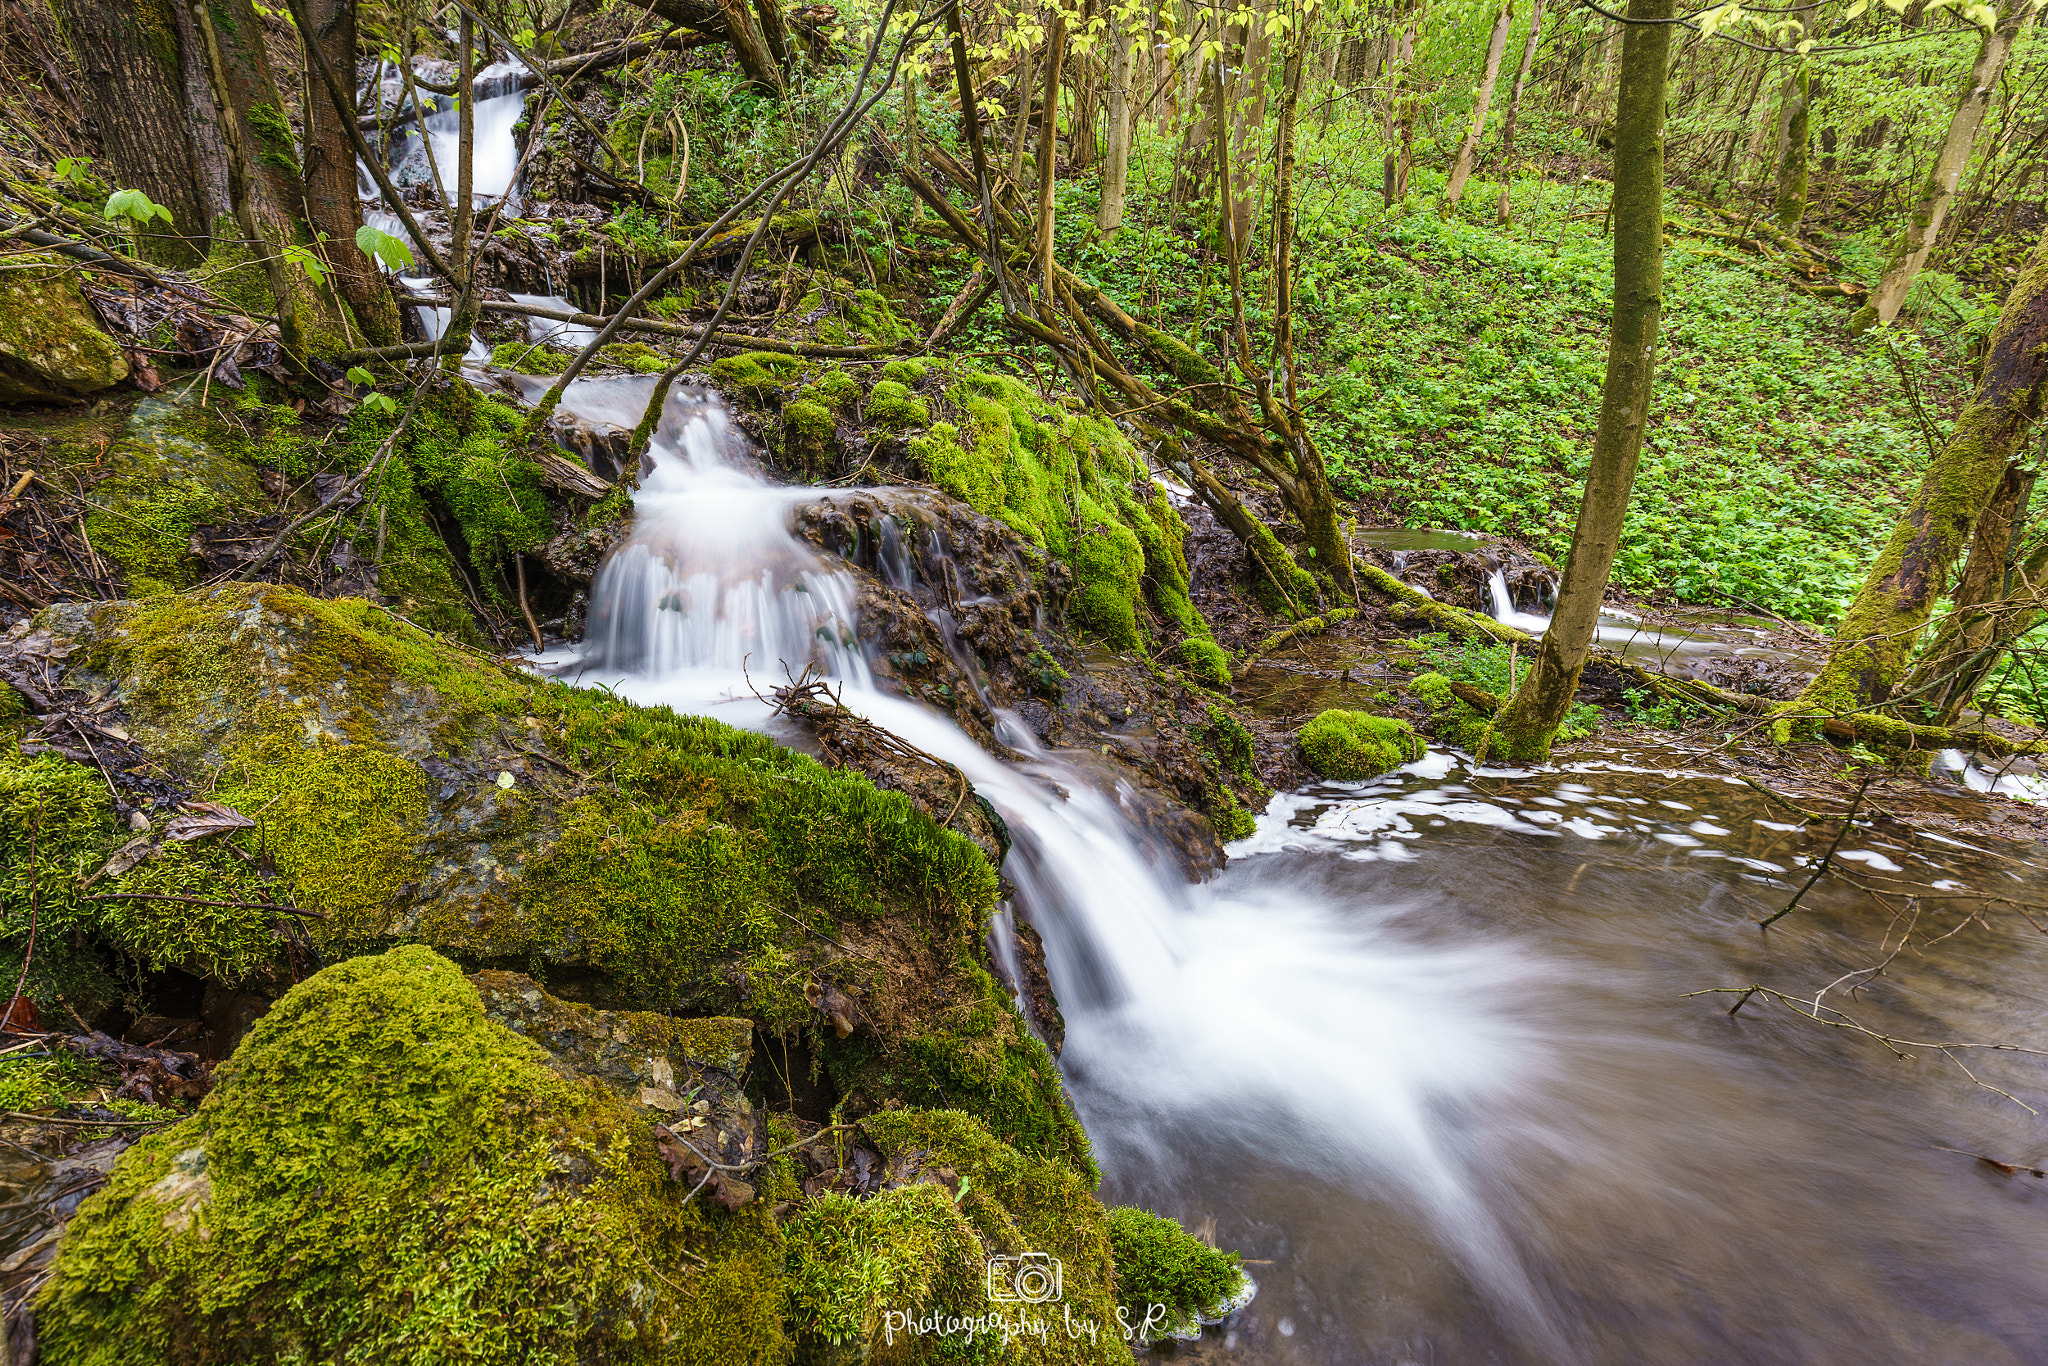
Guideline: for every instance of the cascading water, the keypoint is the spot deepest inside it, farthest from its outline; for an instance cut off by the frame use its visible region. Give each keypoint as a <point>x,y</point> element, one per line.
<point>1173,998</point>
<point>1421,1051</point>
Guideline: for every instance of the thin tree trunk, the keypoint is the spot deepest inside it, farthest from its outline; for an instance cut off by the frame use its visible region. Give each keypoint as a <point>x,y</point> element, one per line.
<point>127,54</point>
<point>1878,632</point>
<point>1246,117</point>
<point>1468,150</point>
<point>1116,166</point>
<point>1048,146</point>
<point>332,205</point>
<point>1526,726</point>
<point>1791,203</point>
<point>1083,75</point>
<point>1923,225</point>
<point>1507,134</point>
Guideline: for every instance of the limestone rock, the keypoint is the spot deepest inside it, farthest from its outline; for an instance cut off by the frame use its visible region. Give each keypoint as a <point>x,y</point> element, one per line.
<point>52,349</point>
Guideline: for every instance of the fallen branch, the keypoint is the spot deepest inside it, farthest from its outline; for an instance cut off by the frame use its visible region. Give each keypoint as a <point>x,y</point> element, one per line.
<point>736,340</point>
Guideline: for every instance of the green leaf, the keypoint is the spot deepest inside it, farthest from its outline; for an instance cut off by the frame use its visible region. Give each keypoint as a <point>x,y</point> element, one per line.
<point>135,206</point>
<point>380,403</point>
<point>392,253</point>
<point>358,375</point>
<point>304,259</point>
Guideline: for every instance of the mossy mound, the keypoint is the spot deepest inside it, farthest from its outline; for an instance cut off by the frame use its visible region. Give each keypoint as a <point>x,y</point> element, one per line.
<point>1349,745</point>
<point>383,1174</point>
<point>1450,719</point>
<point>531,358</point>
<point>52,348</point>
<point>1205,662</point>
<point>412,790</point>
<point>1165,1279</point>
<point>1073,485</point>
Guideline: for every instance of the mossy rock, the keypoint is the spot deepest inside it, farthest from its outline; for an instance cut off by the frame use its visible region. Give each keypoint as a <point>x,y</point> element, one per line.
<point>52,347</point>
<point>757,375</point>
<point>638,357</point>
<point>1450,719</point>
<point>1166,1280</point>
<point>411,790</point>
<point>1349,745</point>
<point>1073,485</point>
<point>383,1173</point>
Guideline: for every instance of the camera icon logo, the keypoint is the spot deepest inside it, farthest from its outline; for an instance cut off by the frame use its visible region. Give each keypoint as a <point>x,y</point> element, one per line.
<point>1027,1278</point>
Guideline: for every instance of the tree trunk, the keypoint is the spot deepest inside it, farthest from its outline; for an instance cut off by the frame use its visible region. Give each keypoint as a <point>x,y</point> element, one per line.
<point>1791,203</point>
<point>1507,134</point>
<point>1967,643</point>
<point>1879,630</point>
<point>127,54</point>
<point>1082,75</point>
<point>1116,166</point>
<point>331,201</point>
<point>1924,224</point>
<point>1247,116</point>
<point>1525,727</point>
<point>1468,150</point>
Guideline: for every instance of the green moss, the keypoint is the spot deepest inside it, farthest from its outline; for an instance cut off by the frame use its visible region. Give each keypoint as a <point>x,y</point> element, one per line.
<point>383,1174</point>
<point>638,357</point>
<point>52,348</point>
<point>1186,364</point>
<point>834,388</point>
<point>858,317</point>
<point>1015,1204</point>
<point>756,374</point>
<point>274,131</point>
<point>852,1261</point>
<point>1160,1270</point>
<point>1072,485</point>
<point>208,934</point>
<point>1205,662</point>
<point>1349,745</point>
<point>531,358</point>
<point>55,830</point>
<point>905,372</point>
<point>894,408</point>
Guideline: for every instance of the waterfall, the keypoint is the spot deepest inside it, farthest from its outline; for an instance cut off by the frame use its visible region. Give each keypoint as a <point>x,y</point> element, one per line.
<point>1262,1021</point>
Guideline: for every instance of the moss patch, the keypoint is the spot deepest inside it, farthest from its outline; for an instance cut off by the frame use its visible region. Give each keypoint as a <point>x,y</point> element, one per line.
<point>1072,485</point>
<point>383,1174</point>
<point>1349,745</point>
<point>1163,1276</point>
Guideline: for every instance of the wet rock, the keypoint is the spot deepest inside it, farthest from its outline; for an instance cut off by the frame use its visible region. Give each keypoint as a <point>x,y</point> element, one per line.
<point>52,347</point>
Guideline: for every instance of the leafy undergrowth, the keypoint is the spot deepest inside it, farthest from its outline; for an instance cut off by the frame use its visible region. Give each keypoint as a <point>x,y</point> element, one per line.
<point>1453,370</point>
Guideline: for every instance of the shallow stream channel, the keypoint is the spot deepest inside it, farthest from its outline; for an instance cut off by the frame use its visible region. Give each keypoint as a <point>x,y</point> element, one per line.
<point>1428,1052</point>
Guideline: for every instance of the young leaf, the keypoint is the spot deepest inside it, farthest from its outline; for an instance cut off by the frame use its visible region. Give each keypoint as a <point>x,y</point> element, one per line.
<point>305,260</point>
<point>135,206</point>
<point>390,252</point>
<point>358,375</point>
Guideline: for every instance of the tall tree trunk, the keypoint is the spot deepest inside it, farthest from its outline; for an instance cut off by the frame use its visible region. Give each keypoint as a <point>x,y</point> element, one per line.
<point>1791,204</point>
<point>1246,118</point>
<point>331,201</point>
<point>1525,727</point>
<point>1116,166</point>
<point>1507,134</point>
<point>1923,225</point>
<point>1083,74</point>
<point>1468,150</point>
<point>127,54</point>
<point>1879,630</point>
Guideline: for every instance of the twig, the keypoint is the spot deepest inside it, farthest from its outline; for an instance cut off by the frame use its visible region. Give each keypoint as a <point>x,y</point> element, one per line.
<point>1848,823</point>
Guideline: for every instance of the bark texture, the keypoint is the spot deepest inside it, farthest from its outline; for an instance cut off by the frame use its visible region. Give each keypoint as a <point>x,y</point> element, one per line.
<point>331,201</point>
<point>1881,627</point>
<point>128,54</point>
<point>1791,205</point>
<point>1507,133</point>
<point>1525,728</point>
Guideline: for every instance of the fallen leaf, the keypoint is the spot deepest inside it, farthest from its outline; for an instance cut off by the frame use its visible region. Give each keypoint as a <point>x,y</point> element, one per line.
<point>127,856</point>
<point>206,818</point>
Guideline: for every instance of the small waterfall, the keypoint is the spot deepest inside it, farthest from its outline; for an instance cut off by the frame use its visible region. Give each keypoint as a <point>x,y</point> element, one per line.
<point>566,336</point>
<point>1504,610</point>
<point>1235,1018</point>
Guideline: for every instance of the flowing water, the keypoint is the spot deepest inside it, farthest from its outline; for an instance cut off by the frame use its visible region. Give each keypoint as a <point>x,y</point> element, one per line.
<point>1422,1052</point>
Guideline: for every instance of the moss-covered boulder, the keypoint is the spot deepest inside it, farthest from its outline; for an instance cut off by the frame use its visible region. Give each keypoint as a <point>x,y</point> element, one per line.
<point>1167,1282</point>
<point>407,789</point>
<point>52,348</point>
<point>385,1174</point>
<point>1349,745</point>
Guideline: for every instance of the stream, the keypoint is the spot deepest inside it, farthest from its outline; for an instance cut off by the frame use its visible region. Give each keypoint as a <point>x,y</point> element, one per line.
<point>1422,1052</point>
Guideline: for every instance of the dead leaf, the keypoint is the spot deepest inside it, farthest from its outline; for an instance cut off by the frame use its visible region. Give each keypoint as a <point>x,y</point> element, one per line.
<point>207,818</point>
<point>126,857</point>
